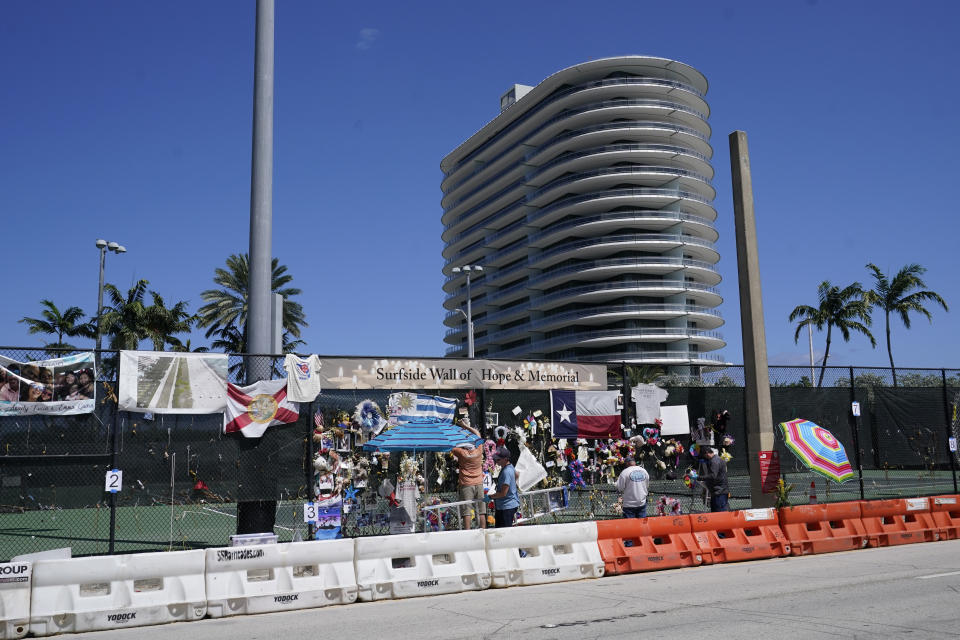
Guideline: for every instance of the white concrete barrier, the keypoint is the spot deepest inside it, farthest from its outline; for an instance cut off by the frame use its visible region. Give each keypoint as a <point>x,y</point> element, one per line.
<point>14,599</point>
<point>109,592</point>
<point>543,553</point>
<point>279,577</point>
<point>420,564</point>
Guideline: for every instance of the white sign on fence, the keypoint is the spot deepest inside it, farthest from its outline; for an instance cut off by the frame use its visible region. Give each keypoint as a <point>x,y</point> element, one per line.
<point>114,481</point>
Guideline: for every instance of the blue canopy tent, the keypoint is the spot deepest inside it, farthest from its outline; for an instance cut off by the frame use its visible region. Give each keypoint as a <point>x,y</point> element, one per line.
<point>423,436</point>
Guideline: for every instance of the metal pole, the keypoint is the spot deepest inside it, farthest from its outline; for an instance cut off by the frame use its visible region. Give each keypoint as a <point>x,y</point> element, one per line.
<point>103,255</point>
<point>113,465</point>
<point>258,515</point>
<point>261,198</point>
<point>308,467</point>
<point>469,321</point>
<point>758,414</point>
<point>855,430</point>
<point>947,422</point>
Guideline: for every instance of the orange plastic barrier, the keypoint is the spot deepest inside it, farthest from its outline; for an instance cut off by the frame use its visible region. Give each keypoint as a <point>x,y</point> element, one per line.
<point>899,521</point>
<point>751,534</point>
<point>823,528</point>
<point>647,544</point>
<point>946,516</point>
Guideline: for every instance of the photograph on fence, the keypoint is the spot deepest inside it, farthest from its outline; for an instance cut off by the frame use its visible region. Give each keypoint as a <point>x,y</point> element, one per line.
<point>158,382</point>
<point>59,386</point>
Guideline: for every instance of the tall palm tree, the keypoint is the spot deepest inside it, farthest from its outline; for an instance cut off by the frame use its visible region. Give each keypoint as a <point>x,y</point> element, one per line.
<point>844,309</point>
<point>225,311</point>
<point>904,294</point>
<point>58,323</point>
<point>125,319</point>
<point>231,340</point>
<point>163,323</point>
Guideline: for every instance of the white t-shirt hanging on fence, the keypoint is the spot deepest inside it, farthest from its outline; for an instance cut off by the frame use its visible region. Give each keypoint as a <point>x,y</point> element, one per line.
<point>647,399</point>
<point>303,377</point>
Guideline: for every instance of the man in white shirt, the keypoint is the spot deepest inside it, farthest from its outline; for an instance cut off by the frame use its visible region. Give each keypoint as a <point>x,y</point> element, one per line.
<point>634,484</point>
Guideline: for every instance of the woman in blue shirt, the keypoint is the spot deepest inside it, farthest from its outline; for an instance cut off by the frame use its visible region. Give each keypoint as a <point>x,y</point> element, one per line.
<point>505,499</point>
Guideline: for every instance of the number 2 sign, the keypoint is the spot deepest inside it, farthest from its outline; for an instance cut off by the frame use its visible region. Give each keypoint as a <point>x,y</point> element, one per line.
<point>114,482</point>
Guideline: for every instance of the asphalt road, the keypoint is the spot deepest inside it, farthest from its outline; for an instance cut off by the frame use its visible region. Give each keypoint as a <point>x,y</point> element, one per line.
<point>907,591</point>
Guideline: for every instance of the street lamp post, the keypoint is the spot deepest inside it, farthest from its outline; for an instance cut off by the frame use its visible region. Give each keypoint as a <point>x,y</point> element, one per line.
<point>103,245</point>
<point>467,268</point>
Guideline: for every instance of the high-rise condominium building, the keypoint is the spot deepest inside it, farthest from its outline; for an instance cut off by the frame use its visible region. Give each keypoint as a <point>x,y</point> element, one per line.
<point>588,204</point>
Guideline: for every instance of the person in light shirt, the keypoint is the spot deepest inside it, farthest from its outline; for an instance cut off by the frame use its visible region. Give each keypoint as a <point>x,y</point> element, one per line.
<point>10,389</point>
<point>634,484</point>
<point>470,463</point>
<point>506,499</point>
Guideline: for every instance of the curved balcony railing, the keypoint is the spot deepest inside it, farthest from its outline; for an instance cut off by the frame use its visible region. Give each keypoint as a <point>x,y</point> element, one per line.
<point>679,285</point>
<point>641,333</point>
<point>573,245</point>
<point>564,137</point>
<point>685,357</point>
<point>661,214</point>
<point>619,171</point>
<point>608,82</point>
<point>604,263</point>
<point>536,301</point>
<point>560,318</point>
<point>477,207</point>
<point>570,113</point>
<point>654,357</point>
<point>678,333</point>
<point>564,157</point>
<point>625,216</point>
<point>573,200</point>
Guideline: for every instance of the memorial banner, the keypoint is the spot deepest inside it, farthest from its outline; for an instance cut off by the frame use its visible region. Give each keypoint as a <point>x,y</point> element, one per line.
<point>160,382</point>
<point>449,373</point>
<point>59,386</point>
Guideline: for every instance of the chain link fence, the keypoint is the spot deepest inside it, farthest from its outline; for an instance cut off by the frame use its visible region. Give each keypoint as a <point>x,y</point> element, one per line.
<point>183,478</point>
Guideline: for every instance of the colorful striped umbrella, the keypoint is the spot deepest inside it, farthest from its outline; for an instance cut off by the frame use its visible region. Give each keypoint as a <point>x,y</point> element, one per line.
<point>422,436</point>
<point>818,449</point>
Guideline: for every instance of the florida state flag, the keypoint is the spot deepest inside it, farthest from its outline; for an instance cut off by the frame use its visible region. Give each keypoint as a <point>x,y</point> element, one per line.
<point>250,410</point>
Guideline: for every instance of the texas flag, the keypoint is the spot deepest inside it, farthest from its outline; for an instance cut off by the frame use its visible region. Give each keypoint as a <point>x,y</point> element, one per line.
<point>250,410</point>
<point>585,414</point>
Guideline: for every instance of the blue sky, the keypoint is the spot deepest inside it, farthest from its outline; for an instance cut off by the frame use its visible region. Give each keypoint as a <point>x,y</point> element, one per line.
<point>131,121</point>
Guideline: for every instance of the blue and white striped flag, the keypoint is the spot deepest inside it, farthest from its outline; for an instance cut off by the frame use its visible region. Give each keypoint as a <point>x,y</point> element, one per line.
<point>413,407</point>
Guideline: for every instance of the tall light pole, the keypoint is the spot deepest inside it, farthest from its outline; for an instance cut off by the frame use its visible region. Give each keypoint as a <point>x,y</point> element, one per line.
<point>261,199</point>
<point>104,246</point>
<point>467,269</point>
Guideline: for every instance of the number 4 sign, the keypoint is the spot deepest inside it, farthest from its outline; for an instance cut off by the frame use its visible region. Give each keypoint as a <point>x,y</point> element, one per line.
<point>114,482</point>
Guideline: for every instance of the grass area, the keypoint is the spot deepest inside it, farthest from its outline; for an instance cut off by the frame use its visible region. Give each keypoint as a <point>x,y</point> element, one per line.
<point>194,526</point>
<point>168,386</point>
<point>149,380</point>
<point>139,528</point>
<point>182,397</point>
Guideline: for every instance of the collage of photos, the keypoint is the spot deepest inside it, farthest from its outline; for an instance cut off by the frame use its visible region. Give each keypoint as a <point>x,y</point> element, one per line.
<point>35,383</point>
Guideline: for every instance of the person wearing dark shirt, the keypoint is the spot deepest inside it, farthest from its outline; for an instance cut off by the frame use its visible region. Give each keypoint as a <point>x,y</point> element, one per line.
<point>715,478</point>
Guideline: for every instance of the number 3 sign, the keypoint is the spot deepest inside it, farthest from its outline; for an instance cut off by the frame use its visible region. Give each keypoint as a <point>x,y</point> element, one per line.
<point>114,482</point>
<point>309,512</point>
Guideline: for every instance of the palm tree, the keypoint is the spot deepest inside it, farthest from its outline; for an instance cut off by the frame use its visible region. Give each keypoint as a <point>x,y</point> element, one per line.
<point>59,323</point>
<point>844,309</point>
<point>902,295</point>
<point>638,374</point>
<point>231,340</point>
<point>164,323</point>
<point>125,319</point>
<point>225,313</point>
